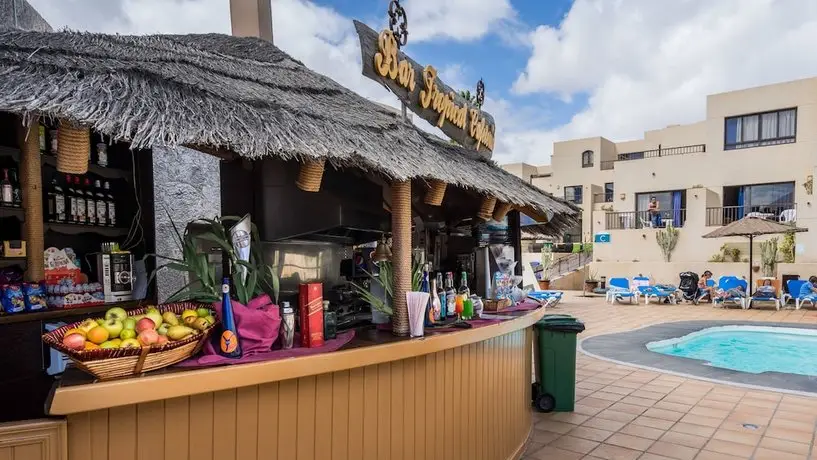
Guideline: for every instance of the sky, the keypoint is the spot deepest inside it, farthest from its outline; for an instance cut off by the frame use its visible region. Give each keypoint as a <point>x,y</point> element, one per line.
<point>553,69</point>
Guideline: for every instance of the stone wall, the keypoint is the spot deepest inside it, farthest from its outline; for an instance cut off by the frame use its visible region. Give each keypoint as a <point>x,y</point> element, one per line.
<point>187,187</point>
<point>27,17</point>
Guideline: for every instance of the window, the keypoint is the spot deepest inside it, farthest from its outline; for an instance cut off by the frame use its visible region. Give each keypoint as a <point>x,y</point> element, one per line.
<point>761,199</point>
<point>573,194</point>
<point>672,205</point>
<point>769,128</point>
<point>608,192</point>
<point>587,159</point>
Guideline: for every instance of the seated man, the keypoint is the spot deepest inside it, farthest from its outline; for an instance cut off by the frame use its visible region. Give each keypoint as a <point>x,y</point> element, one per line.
<point>809,290</point>
<point>731,293</point>
<point>704,290</point>
<point>766,291</point>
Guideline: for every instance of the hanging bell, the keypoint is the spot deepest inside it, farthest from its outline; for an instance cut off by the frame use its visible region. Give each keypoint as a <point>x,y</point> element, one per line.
<point>382,252</point>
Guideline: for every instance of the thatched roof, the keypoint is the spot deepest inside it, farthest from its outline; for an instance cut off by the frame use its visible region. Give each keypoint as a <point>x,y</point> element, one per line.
<point>753,226</point>
<point>240,94</point>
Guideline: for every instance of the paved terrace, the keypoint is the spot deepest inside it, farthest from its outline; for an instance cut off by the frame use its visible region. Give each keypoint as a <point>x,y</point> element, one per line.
<point>627,413</point>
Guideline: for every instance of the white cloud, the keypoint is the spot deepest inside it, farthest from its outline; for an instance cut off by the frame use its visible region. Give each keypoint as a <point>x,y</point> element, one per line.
<point>461,20</point>
<point>646,64</point>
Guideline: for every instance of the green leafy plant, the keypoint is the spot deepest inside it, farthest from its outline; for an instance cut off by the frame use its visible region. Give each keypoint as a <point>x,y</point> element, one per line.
<point>547,261</point>
<point>385,278</point>
<point>202,285</point>
<point>667,240</point>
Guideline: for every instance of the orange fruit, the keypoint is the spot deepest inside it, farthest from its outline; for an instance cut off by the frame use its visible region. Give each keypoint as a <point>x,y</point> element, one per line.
<point>97,335</point>
<point>91,346</point>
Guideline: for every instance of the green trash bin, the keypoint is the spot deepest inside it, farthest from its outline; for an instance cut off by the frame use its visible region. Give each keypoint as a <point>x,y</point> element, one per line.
<point>555,389</point>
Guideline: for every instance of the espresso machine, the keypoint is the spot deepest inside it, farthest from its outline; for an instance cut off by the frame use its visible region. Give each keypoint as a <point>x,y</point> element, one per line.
<point>115,273</point>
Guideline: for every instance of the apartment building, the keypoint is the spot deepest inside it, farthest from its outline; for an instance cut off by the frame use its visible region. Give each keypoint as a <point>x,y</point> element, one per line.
<point>754,154</point>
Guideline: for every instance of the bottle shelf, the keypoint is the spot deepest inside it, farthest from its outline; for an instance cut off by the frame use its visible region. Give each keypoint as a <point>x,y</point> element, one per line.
<point>101,171</point>
<point>9,261</point>
<point>9,211</point>
<point>78,229</point>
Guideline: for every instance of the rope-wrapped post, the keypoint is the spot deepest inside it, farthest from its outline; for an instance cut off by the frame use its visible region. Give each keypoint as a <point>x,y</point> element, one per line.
<point>32,188</point>
<point>73,148</point>
<point>401,254</point>
<point>486,210</point>
<point>435,194</point>
<point>310,175</point>
<point>501,210</point>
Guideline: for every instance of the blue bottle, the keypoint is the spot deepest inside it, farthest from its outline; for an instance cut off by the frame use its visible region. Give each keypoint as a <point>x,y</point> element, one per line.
<point>440,315</point>
<point>425,287</point>
<point>229,345</point>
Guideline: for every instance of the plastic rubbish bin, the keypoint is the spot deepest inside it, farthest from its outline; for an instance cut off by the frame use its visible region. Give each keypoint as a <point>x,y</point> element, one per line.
<point>555,389</point>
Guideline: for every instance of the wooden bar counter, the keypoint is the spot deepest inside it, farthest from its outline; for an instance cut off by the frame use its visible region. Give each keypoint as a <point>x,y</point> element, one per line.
<point>447,396</point>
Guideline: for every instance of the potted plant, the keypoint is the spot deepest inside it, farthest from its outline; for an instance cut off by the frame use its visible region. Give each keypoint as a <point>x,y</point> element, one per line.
<point>547,264</point>
<point>591,283</point>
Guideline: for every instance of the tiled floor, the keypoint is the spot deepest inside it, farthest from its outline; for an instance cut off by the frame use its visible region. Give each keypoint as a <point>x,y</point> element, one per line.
<point>628,413</point>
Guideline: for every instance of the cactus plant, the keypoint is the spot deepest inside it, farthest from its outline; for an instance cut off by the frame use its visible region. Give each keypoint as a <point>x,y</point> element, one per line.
<point>768,256</point>
<point>786,248</point>
<point>667,239</point>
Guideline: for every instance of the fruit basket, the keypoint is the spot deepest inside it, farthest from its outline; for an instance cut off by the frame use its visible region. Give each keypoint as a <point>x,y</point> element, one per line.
<point>106,363</point>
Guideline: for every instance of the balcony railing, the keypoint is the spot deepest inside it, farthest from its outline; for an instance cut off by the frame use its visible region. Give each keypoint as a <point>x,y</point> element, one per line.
<point>725,215</point>
<point>642,219</point>
<point>607,165</point>
<point>606,197</point>
<point>662,152</point>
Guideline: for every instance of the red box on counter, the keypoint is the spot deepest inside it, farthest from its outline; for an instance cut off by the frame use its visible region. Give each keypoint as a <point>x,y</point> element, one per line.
<point>310,308</point>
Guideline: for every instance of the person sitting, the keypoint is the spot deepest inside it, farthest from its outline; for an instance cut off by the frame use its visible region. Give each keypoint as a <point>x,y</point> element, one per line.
<point>809,289</point>
<point>705,290</point>
<point>731,293</point>
<point>766,291</point>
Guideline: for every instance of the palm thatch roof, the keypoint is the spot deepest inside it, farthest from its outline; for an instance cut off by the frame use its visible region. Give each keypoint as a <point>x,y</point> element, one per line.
<point>753,226</point>
<point>238,94</point>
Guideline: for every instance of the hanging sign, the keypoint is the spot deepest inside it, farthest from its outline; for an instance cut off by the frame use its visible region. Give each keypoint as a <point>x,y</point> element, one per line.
<point>420,89</point>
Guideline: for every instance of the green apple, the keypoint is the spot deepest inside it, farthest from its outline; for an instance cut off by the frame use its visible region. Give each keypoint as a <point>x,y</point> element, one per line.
<point>100,321</point>
<point>109,344</point>
<point>152,310</point>
<point>127,334</point>
<point>202,312</point>
<point>116,313</point>
<point>210,319</point>
<point>154,316</point>
<point>130,343</point>
<point>162,330</point>
<point>129,323</point>
<point>114,327</point>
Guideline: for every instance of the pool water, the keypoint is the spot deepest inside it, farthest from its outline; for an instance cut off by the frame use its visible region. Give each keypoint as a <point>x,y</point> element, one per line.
<point>748,349</point>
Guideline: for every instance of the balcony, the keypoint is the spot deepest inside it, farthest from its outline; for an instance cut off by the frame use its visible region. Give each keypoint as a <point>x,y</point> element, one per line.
<point>662,152</point>
<point>641,219</point>
<point>725,215</point>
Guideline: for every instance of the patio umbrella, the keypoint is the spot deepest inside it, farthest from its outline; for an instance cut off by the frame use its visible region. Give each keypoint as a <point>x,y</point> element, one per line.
<point>751,227</point>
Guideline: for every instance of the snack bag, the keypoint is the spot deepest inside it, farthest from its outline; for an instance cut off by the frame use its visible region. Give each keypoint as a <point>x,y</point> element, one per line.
<point>12,299</point>
<point>34,296</point>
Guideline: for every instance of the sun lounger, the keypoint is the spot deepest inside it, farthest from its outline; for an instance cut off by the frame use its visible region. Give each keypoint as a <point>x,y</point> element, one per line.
<point>794,293</point>
<point>620,289</point>
<point>765,294</point>
<point>728,283</point>
<point>652,292</point>
<point>548,298</point>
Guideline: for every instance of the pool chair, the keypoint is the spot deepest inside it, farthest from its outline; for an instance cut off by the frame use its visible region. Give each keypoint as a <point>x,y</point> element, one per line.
<point>659,295</point>
<point>547,298</point>
<point>725,283</point>
<point>702,296</point>
<point>794,294</point>
<point>619,288</point>
<point>765,297</point>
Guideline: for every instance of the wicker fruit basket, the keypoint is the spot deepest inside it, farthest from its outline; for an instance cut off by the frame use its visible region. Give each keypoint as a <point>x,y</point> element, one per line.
<point>122,362</point>
<point>496,305</point>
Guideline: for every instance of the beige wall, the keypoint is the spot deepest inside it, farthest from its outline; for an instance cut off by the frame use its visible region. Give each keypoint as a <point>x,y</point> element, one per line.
<point>703,175</point>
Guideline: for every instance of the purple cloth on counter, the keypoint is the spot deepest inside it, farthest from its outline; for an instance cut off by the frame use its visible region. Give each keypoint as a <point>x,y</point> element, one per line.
<point>525,305</point>
<point>475,323</point>
<point>271,355</point>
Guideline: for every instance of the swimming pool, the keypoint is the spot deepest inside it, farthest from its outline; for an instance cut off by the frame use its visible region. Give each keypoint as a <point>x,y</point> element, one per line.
<point>753,349</point>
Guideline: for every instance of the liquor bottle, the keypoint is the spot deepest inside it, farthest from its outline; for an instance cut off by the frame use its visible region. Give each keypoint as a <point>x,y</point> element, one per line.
<point>71,198</point>
<point>6,193</point>
<point>450,295</point>
<point>434,315</point>
<point>90,203</point>
<point>16,193</point>
<point>82,214</point>
<point>52,201</point>
<point>462,294</point>
<point>425,287</point>
<point>441,312</point>
<point>101,204</point>
<point>330,322</point>
<point>229,345</point>
<point>111,205</point>
<point>59,202</point>
<point>102,154</point>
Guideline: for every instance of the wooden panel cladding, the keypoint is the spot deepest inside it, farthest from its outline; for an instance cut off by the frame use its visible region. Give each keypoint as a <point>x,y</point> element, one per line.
<point>34,440</point>
<point>469,402</point>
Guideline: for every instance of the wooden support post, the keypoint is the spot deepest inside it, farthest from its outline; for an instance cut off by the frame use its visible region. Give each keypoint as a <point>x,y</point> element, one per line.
<point>32,188</point>
<point>401,254</point>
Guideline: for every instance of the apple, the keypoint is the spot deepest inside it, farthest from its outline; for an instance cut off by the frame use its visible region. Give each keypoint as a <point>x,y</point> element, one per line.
<point>100,321</point>
<point>127,334</point>
<point>162,330</point>
<point>190,320</point>
<point>109,344</point>
<point>116,313</point>
<point>116,341</point>
<point>91,346</point>
<point>148,337</point>
<point>130,343</point>
<point>144,324</point>
<point>153,310</point>
<point>210,319</point>
<point>114,327</point>
<point>98,335</point>
<point>162,340</point>
<point>74,341</point>
<point>202,312</point>
<point>87,325</point>
<point>201,324</point>
<point>156,317</point>
<point>74,331</point>
<point>188,313</point>
<point>170,318</point>
<point>129,323</point>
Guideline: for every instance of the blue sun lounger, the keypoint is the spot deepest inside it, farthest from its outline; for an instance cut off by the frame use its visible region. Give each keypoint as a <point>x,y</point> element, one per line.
<point>620,289</point>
